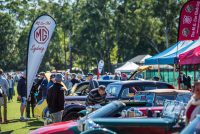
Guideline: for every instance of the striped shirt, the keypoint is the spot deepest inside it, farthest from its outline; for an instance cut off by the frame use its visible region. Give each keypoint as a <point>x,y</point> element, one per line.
<point>95,98</point>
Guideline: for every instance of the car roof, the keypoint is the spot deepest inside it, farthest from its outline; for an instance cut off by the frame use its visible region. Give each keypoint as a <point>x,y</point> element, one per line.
<point>137,81</point>
<point>108,80</point>
<point>100,81</point>
<point>166,91</point>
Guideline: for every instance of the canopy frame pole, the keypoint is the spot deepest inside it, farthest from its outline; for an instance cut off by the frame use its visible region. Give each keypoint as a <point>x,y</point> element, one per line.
<point>179,79</point>
<point>159,71</point>
<point>174,74</point>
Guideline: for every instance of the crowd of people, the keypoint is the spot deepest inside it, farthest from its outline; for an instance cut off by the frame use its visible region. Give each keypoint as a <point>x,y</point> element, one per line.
<point>53,90</point>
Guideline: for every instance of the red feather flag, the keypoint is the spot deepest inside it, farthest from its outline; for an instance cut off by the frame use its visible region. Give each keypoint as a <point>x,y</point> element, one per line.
<point>189,21</point>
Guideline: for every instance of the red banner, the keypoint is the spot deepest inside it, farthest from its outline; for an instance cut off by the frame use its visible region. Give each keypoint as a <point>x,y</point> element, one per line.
<point>189,21</point>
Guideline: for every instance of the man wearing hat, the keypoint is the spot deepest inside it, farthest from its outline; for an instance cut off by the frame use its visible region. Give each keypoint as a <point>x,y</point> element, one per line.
<point>55,99</point>
<point>22,94</point>
<point>51,82</point>
<point>92,83</point>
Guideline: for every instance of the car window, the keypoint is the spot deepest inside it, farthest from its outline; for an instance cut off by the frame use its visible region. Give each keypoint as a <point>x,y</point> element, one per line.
<point>82,87</point>
<point>128,92</point>
<point>160,99</point>
<point>113,90</point>
<point>125,93</point>
<point>183,97</point>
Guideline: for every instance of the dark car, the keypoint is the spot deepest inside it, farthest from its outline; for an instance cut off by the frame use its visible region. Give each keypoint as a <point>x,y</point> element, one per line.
<point>127,89</point>
<point>122,90</point>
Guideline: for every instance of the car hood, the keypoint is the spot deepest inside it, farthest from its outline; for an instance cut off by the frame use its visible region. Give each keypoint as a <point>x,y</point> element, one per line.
<point>60,128</point>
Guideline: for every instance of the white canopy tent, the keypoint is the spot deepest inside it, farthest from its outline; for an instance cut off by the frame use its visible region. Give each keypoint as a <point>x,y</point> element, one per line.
<point>128,67</point>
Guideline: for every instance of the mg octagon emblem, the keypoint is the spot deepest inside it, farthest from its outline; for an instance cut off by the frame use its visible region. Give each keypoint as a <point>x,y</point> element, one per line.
<point>41,34</point>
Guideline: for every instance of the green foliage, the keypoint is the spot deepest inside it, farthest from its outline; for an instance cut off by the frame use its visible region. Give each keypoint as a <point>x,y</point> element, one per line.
<point>8,41</point>
<point>112,30</point>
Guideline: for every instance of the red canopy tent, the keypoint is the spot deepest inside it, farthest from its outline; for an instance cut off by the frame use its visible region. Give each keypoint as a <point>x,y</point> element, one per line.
<point>190,57</point>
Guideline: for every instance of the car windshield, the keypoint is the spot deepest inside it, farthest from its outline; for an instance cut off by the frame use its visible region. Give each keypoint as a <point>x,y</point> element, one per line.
<point>160,98</point>
<point>82,87</point>
<point>184,97</point>
<point>144,96</point>
<point>113,90</point>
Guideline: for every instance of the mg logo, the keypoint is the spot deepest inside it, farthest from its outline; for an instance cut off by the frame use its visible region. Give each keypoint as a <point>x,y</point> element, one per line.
<point>41,34</point>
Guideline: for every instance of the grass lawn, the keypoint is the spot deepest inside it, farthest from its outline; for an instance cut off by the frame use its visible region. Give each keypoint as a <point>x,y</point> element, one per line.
<point>14,125</point>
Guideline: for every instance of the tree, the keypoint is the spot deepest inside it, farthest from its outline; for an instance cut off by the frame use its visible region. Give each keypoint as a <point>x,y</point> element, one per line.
<point>8,37</point>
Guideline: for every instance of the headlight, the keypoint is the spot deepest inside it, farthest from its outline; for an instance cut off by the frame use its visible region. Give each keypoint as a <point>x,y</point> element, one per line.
<point>89,125</point>
<point>84,125</point>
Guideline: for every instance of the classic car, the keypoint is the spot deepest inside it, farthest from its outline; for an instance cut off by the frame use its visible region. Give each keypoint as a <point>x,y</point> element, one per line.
<point>77,89</point>
<point>116,117</point>
<point>122,90</point>
<point>193,127</point>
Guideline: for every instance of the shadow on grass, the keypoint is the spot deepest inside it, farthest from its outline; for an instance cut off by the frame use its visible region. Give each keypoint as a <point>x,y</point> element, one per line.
<point>33,124</point>
<point>33,128</point>
<point>7,132</point>
<point>13,120</point>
